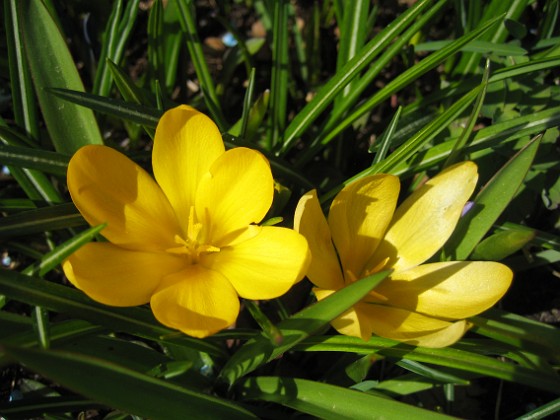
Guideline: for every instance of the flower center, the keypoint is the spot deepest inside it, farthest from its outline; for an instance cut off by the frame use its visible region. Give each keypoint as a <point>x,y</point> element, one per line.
<point>372,296</point>
<point>192,246</point>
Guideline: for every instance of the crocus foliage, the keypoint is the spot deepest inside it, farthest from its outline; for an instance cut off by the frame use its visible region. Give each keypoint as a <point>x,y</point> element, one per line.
<point>421,304</point>
<point>188,244</point>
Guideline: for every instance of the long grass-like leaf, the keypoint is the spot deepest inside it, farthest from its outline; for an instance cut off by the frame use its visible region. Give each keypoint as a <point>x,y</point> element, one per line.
<point>408,76</point>
<point>467,131</point>
<point>490,203</point>
<point>120,387</point>
<point>346,103</point>
<point>128,111</point>
<point>62,299</point>
<point>280,72</point>
<point>33,182</point>
<point>469,63</point>
<point>69,125</point>
<point>486,138</point>
<point>521,332</point>
<point>60,253</point>
<point>449,356</point>
<point>406,150</point>
<point>40,220</point>
<point>42,160</point>
<point>328,401</point>
<point>195,50</point>
<point>261,350</point>
<point>37,409</point>
<point>23,97</point>
<point>543,412</point>
<point>330,90</point>
<point>117,32</point>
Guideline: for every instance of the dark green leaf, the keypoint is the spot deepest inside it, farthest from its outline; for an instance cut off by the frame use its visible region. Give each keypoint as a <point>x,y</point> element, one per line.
<point>260,349</point>
<point>40,220</point>
<point>139,321</point>
<point>120,387</point>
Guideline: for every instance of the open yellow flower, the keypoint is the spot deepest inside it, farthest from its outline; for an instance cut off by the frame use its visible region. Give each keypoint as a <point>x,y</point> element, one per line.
<point>421,304</point>
<point>187,244</point>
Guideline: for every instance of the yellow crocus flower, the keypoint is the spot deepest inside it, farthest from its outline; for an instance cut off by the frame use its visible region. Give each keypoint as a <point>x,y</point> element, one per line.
<point>421,304</point>
<point>188,244</point>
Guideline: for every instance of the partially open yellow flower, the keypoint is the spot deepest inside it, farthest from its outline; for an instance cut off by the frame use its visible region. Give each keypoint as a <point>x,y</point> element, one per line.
<point>421,304</point>
<point>187,244</point>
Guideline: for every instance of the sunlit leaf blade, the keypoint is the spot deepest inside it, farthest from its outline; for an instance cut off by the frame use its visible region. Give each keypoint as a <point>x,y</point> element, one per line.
<point>155,51</point>
<point>466,133</point>
<point>353,31</point>
<point>346,104</point>
<point>139,321</point>
<point>486,138</point>
<point>303,120</point>
<point>411,146</point>
<point>60,253</point>
<point>543,412</point>
<point>475,46</point>
<point>280,72</point>
<point>124,388</point>
<point>117,32</point>
<point>469,62</point>
<point>327,401</point>
<point>489,203</point>
<point>498,75</point>
<point>260,350</point>
<point>502,244</point>
<point>518,331</point>
<point>70,126</point>
<point>384,142</point>
<point>448,356</point>
<point>431,373</point>
<point>407,77</point>
<point>188,23</point>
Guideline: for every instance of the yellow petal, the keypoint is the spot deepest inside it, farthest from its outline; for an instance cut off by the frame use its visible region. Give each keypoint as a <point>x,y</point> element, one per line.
<point>358,218</point>
<point>351,323</point>
<point>107,187</point>
<point>452,290</point>
<point>116,276</point>
<point>426,219</point>
<point>264,266</point>
<point>196,301</point>
<point>412,328</point>
<point>186,144</point>
<point>237,191</point>
<point>309,220</point>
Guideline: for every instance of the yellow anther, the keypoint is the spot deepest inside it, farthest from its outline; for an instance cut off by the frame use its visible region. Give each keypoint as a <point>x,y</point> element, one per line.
<point>191,246</point>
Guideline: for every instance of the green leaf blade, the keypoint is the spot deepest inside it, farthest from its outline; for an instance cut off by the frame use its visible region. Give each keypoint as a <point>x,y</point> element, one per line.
<point>328,401</point>
<point>260,350</point>
<point>120,387</point>
<point>69,125</point>
<point>490,203</point>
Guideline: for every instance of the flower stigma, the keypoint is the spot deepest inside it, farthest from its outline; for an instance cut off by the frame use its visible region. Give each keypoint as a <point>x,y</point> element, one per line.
<point>192,245</point>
